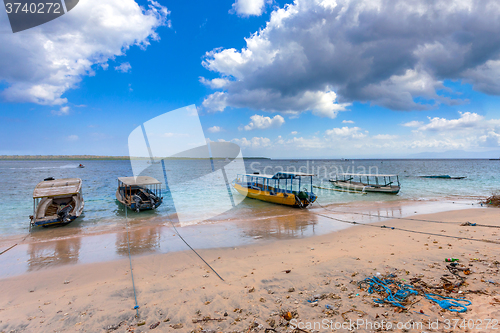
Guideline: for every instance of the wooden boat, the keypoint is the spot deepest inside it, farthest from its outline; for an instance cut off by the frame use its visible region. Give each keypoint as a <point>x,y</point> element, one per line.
<point>367,182</point>
<point>282,188</point>
<point>57,202</point>
<point>443,177</point>
<point>139,193</point>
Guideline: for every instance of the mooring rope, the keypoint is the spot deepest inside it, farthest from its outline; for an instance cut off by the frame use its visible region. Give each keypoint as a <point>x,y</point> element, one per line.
<point>136,307</point>
<point>12,246</point>
<point>408,230</point>
<point>411,219</point>
<point>176,231</point>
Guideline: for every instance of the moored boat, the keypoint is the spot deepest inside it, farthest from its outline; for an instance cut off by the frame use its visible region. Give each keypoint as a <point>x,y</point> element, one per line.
<point>443,177</point>
<point>367,182</point>
<point>270,188</point>
<point>139,193</point>
<point>57,202</point>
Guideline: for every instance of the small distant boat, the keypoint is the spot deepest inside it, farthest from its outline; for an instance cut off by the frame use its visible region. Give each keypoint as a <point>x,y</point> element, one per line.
<point>367,182</point>
<point>270,188</point>
<point>139,193</point>
<point>442,177</point>
<point>57,202</point>
<point>81,166</point>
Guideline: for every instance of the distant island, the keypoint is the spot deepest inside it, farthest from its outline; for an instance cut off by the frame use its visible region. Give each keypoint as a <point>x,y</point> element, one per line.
<point>93,157</point>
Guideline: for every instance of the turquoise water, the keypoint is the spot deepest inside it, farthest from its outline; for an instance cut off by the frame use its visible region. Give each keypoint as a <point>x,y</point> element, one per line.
<point>18,178</point>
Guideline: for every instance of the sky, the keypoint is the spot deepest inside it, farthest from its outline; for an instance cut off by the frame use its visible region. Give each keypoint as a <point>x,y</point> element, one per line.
<point>296,79</point>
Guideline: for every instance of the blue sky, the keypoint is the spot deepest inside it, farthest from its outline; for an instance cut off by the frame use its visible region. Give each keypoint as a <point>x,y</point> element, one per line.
<point>281,88</point>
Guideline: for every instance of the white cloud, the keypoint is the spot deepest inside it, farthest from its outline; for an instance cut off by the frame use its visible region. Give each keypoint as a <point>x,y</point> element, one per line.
<point>255,142</point>
<point>395,54</point>
<point>72,137</point>
<point>52,58</point>
<point>385,137</point>
<point>294,133</point>
<point>413,123</point>
<point>216,83</point>
<point>466,120</point>
<point>346,132</point>
<point>249,7</point>
<point>63,111</point>
<point>347,122</point>
<point>214,129</point>
<point>215,102</point>
<point>261,122</point>
<point>124,67</point>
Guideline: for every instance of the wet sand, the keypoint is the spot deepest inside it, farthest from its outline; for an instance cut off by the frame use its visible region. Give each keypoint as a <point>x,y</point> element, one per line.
<point>177,291</point>
<point>48,248</point>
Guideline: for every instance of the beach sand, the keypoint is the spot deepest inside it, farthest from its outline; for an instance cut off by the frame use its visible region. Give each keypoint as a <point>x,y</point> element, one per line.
<point>267,286</point>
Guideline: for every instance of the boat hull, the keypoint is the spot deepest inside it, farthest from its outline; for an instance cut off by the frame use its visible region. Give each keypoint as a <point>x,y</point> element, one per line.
<point>355,186</point>
<point>132,206</point>
<point>281,198</point>
<point>56,221</point>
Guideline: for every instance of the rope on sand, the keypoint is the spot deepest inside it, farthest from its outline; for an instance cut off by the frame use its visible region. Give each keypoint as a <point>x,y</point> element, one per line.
<point>408,230</point>
<point>449,303</point>
<point>383,287</point>
<point>177,232</point>
<point>136,307</point>
<point>12,246</point>
<point>411,219</point>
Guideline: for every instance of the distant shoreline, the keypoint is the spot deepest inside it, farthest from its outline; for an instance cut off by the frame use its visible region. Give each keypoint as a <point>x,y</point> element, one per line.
<point>101,158</point>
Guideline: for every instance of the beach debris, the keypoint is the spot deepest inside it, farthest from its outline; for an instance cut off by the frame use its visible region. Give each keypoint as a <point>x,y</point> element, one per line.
<point>288,314</point>
<point>287,271</point>
<point>155,325</point>
<point>451,259</point>
<point>111,328</point>
<point>496,301</point>
<point>206,318</point>
<point>291,289</point>
<point>166,320</point>
<point>360,313</point>
<point>141,323</point>
<point>251,290</point>
<point>177,326</point>
<point>262,300</point>
<point>66,282</point>
<point>393,291</point>
<point>449,303</point>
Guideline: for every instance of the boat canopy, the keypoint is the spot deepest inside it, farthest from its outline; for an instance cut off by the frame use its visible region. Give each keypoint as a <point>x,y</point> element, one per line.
<point>139,181</point>
<point>366,174</point>
<point>282,175</point>
<point>58,187</point>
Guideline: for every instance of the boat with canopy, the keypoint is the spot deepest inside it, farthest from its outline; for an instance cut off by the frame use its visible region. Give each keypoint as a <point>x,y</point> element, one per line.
<point>139,193</point>
<point>57,202</point>
<point>283,188</point>
<point>366,182</point>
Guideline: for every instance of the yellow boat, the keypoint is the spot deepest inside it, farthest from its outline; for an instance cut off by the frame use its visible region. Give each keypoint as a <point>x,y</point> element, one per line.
<point>269,188</point>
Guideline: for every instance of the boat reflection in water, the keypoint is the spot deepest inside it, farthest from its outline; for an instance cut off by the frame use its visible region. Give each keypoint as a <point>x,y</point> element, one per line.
<point>44,254</point>
<point>143,240</point>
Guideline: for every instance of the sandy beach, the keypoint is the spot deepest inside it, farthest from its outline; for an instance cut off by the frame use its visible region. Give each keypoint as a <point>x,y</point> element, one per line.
<point>308,284</point>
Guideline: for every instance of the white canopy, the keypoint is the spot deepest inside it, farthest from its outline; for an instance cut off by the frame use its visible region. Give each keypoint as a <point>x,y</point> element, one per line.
<point>58,187</point>
<point>365,174</point>
<point>139,181</point>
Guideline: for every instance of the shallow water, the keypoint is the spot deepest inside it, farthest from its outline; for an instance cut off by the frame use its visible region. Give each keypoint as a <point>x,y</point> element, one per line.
<point>18,179</point>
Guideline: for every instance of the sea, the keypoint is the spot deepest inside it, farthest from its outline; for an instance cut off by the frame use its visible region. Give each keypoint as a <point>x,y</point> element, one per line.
<point>18,178</point>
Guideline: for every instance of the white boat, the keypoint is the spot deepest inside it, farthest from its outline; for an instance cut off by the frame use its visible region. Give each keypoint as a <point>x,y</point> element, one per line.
<point>139,193</point>
<point>367,182</point>
<point>57,202</point>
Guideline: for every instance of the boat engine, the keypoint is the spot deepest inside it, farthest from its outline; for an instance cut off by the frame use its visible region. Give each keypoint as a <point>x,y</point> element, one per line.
<point>138,201</point>
<point>64,213</point>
